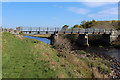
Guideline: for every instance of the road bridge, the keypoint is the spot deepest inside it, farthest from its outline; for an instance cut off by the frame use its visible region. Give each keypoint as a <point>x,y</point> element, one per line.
<point>38,30</point>
<point>83,33</point>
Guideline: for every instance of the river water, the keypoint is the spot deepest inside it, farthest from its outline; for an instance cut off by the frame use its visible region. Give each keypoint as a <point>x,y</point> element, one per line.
<point>103,50</point>
<point>45,40</point>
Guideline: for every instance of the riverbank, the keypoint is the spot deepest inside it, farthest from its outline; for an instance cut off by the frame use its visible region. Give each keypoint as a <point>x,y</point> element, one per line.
<point>116,43</point>
<point>30,58</point>
<point>64,44</point>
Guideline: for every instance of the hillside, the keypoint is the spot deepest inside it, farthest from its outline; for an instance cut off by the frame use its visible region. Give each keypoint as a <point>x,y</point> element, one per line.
<point>106,24</point>
<point>114,24</point>
<point>29,58</point>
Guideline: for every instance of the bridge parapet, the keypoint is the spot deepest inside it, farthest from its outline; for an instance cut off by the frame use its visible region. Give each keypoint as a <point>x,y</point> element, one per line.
<point>39,30</point>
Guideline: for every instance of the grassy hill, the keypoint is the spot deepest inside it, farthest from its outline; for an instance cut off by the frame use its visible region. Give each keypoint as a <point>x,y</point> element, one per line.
<point>114,24</point>
<point>106,24</point>
<point>29,58</point>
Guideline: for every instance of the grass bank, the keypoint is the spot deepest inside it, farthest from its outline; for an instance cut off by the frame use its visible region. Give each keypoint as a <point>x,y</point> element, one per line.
<point>29,58</point>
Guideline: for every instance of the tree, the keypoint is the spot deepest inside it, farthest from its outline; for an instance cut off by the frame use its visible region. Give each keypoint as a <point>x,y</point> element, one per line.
<point>80,26</point>
<point>93,20</point>
<point>87,24</point>
<point>83,22</point>
<point>76,26</point>
<point>65,26</point>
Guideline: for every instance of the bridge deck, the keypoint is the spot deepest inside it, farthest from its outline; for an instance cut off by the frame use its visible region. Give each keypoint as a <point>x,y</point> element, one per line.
<point>65,31</point>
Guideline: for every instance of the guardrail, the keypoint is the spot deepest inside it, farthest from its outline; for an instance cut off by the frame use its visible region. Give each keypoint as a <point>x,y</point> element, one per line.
<point>39,30</point>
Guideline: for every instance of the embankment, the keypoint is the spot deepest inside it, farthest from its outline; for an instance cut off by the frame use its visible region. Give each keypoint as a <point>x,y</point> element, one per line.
<point>29,58</point>
<point>68,44</point>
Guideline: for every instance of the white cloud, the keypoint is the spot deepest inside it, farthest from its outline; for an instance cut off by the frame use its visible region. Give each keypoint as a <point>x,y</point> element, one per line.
<point>105,13</point>
<point>111,11</point>
<point>97,4</point>
<point>78,10</point>
<point>97,15</point>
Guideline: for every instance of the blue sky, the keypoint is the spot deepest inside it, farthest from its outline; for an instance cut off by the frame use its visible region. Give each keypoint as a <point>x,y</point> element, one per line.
<point>55,14</point>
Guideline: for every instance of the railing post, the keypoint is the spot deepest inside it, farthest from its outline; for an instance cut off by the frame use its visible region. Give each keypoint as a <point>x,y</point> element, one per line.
<point>72,31</point>
<point>79,31</point>
<point>93,30</point>
<point>21,28</point>
<point>47,28</point>
<point>39,28</point>
<point>111,31</point>
<point>47,31</point>
<point>36,28</point>
<point>104,31</point>
<point>99,31</point>
<point>85,30</point>
<point>55,29</point>
<point>58,30</point>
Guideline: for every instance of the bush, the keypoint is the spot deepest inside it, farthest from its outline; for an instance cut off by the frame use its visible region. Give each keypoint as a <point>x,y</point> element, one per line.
<point>87,24</point>
<point>65,26</point>
<point>76,26</point>
<point>81,52</point>
<point>104,69</point>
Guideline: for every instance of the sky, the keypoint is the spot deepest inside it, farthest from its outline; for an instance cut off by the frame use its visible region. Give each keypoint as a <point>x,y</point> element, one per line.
<point>56,14</point>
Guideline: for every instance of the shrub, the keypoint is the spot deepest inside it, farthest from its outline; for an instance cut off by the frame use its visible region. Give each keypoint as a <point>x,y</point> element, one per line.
<point>81,52</point>
<point>76,26</point>
<point>65,26</point>
<point>104,69</point>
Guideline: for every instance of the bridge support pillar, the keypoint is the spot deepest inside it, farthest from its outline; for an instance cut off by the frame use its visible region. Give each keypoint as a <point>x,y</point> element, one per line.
<point>53,37</point>
<point>83,39</point>
<point>106,38</point>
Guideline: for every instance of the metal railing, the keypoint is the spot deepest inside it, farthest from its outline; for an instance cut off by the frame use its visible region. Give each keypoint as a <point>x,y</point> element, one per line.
<point>39,30</point>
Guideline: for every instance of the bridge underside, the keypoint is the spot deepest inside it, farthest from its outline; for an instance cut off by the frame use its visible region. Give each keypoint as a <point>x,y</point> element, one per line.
<point>103,39</point>
<point>83,39</point>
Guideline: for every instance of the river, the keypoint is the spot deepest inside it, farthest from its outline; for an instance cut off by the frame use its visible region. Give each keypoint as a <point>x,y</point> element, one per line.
<point>45,40</point>
<point>103,50</point>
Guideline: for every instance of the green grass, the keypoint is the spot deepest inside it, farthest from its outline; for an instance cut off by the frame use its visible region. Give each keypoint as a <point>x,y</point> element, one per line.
<point>22,59</point>
<point>30,58</point>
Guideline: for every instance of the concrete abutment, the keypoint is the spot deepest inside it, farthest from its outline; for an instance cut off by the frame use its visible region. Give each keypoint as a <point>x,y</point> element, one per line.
<point>83,39</point>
